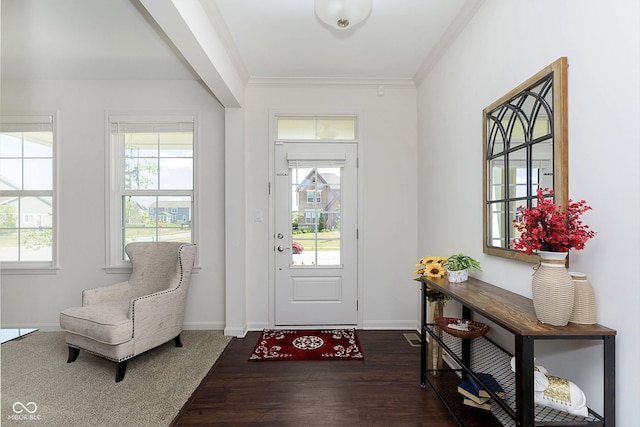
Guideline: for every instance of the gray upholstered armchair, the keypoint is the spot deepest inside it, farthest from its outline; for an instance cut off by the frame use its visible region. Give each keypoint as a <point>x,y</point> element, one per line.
<point>123,320</point>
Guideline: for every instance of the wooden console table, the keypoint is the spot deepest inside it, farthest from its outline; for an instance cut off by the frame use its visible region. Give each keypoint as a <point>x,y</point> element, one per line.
<point>515,314</point>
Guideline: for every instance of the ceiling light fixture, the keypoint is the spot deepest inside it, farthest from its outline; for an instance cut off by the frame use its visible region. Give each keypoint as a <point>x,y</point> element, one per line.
<point>342,14</point>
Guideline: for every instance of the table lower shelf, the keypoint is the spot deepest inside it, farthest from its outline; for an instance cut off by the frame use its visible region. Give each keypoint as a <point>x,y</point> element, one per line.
<point>489,358</point>
<point>445,384</point>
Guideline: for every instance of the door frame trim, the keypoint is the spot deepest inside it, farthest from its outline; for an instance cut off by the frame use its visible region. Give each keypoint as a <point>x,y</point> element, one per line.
<point>273,113</point>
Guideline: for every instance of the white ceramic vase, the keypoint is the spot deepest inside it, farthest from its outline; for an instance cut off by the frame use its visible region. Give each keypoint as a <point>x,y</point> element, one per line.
<point>553,289</point>
<point>584,305</point>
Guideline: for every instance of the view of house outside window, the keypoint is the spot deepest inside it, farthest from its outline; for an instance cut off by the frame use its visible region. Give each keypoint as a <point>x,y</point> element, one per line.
<point>316,220</point>
<point>154,167</point>
<point>27,190</point>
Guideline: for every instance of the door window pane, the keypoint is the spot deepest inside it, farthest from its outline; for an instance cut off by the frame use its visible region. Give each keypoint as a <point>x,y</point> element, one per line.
<point>316,128</point>
<point>315,216</point>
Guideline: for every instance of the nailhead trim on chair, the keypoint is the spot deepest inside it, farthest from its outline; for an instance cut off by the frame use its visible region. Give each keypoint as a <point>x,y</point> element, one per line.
<point>121,369</point>
<point>133,310</point>
<point>122,359</point>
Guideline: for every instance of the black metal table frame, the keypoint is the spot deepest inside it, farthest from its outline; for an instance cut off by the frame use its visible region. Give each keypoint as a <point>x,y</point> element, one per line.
<point>524,354</point>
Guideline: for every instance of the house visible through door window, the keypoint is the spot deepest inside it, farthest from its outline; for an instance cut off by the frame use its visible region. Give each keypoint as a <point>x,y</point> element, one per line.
<point>27,191</point>
<point>152,183</point>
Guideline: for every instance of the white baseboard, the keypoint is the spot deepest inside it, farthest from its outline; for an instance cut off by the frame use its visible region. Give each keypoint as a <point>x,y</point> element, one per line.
<point>203,326</point>
<point>238,332</point>
<point>45,327</point>
<point>51,327</point>
<point>449,361</point>
<point>257,326</point>
<point>400,325</point>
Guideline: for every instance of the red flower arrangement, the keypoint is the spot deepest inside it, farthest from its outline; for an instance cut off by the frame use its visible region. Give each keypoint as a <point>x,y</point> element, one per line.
<point>546,227</point>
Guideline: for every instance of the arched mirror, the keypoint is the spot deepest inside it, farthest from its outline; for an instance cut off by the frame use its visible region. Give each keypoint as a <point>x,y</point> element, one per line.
<point>524,147</point>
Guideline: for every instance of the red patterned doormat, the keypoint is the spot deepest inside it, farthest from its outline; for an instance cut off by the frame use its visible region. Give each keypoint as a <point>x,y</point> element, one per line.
<point>326,344</point>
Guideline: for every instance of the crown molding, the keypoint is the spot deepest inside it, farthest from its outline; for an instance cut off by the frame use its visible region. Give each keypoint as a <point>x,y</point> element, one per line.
<point>279,82</point>
<point>220,27</point>
<point>460,22</point>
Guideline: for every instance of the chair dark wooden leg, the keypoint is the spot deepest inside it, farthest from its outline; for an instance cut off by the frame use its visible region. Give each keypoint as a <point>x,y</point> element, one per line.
<point>120,371</point>
<point>73,354</point>
<point>178,341</point>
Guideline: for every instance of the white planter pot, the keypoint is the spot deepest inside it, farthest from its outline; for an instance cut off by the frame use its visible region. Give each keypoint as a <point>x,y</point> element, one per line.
<point>458,275</point>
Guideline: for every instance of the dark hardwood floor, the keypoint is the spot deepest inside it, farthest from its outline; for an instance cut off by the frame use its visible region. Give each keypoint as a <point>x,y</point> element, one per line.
<point>382,390</point>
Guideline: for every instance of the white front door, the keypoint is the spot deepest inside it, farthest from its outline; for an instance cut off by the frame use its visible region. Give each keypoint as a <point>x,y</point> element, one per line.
<point>315,234</point>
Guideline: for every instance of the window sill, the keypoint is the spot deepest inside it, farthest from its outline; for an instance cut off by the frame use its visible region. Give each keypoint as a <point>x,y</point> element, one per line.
<point>28,270</point>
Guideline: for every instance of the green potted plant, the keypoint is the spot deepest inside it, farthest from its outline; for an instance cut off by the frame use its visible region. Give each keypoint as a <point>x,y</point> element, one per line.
<point>458,267</point>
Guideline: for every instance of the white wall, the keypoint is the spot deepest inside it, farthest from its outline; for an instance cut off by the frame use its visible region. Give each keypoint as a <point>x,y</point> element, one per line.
<point>503,45</point>
<point>36,300</point>
<point>388,174</point>
<point>389,240</point>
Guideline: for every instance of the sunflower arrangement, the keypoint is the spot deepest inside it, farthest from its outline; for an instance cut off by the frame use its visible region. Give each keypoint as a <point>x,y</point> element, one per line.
<point>432,266</point>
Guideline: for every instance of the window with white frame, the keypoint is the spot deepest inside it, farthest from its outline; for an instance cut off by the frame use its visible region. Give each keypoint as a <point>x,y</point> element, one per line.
<point>152,181</point>
<point>305,127</point>
<point>314,196</point>
<point>27,204</point>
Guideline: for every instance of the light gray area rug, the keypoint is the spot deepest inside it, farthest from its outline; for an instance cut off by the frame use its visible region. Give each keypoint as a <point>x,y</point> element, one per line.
<point>39,388</point>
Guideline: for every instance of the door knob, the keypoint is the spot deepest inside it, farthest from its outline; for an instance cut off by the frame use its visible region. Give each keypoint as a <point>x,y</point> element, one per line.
<point>281,248</point>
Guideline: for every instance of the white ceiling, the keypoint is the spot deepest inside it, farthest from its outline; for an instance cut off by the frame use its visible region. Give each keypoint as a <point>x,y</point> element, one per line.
<point>117,39</point>
<point>283,38</point>
<point>84,39</point>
